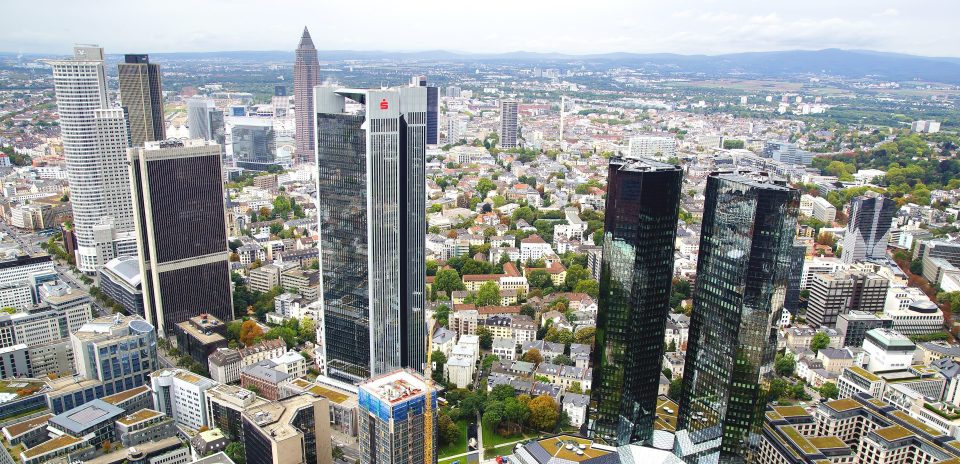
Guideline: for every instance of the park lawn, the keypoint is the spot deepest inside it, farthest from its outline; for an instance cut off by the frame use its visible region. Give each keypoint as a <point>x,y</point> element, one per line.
<point>492,439</point>
<point>457,447</point>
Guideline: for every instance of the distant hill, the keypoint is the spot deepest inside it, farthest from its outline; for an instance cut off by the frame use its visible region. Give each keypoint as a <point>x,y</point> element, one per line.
<point>845,63</point>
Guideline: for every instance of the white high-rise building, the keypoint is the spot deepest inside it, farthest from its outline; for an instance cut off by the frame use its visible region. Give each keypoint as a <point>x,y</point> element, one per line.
<point>652,146</point>
<point>95,141</point>
<point>509,128</point>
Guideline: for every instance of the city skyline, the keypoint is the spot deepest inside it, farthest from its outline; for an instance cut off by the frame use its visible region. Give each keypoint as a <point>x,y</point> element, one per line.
<point>691,28</point>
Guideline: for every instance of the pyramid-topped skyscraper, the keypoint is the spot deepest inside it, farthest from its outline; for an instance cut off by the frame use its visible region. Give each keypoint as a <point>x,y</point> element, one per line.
<point>306,76</point>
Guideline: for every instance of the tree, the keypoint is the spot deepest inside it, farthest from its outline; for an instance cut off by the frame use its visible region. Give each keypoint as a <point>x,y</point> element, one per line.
<point>488,361</point>
<point>287,334</point>
<point>337,452</point>
<point>543,413</point>
<point>532,356</point>
<point>575,274</point>
<point>539,279</point>
<point>447,429</point>
<point>585,335</point>
<point>562,360</point>
<point>448,280</point>
<point>676,385</point>
<point>442,315</point>
<point>952,299</point>
<point>439,359</point>
<point>528,310</point>
<point>785,364</point>
<point>916,267</point>
<point>486,338</point>
<point>308,330</point>
<point>559,336</point>
<point>819,341</point>
<point>672,346</point>
<point>590,287</point>
<point>236,452</point>
<point>488,294</point>
<point>485,185</point>
<point>250,331</point>
<point>575,387</point>
<point>829,390</point>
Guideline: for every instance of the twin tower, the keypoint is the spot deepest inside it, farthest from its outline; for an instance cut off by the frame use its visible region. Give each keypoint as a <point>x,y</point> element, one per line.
<point>747,234</point>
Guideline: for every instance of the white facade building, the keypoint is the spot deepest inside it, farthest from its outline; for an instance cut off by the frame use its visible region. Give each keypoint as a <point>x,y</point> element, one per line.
<point>180,394</point>
<point>95,149</point>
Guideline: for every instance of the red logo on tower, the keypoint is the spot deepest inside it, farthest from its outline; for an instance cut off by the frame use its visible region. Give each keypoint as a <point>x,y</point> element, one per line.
<point>383,104</point>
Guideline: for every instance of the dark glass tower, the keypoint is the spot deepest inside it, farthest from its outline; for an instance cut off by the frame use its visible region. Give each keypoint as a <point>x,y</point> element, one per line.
<point>142,98</point>
<point>868,232</point>
<point>371,216</point>
<point>746,244</point>
<point>643,200</point>
<point>182,233</point>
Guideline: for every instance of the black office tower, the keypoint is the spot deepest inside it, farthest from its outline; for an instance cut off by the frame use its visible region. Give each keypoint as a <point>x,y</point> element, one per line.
<point>182,233</point>
<point>643,200</point>
<point>746,244</point>
<point>370,184</point>
<point>142,98</point>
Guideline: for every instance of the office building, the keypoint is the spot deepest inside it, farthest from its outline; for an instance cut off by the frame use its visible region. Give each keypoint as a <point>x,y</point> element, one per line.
<point>823,211</point>
<point>225,405</point>
<point>371,226</point>
<point>433,102</point>
<point>393,409</point>
<point>509,128</point>
<point>92,421</point>
<point>17,268</point>
<point>888,349</point>
<point>120,351</point>
<point>306,76</point>
<point>652,146</point>
<point>929,126</point>
<point>95,149</point>
<point>142,99</point>
<point>280,101</point>
<point>855,325</point>
<point>184,257</point>
<point>292,431</point>
<point>861,429</point>
<point>205,121</point>
<point>201,336</point>
<point>15,362</point>
<point>120,280</point>
<point>791,302</point>
<point>834,294</point>
<point>643,201</point>
<point>181,394</point>
<point>871,218</point>
<point>254,144</point>
<point>747,233</point>
<point>787,153</point>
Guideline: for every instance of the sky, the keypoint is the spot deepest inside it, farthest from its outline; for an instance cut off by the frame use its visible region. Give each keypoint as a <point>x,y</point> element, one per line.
<point>920,27</point>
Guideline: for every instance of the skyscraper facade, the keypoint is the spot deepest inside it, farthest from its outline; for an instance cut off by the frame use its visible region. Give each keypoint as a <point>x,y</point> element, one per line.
<point>204,120</point>
<point>184,257</point>
<point>508,123</point>
<point>746,241</point>
<point>642,209</point>
<point>371,218</point>
<point>254,144</point>
<point>392,419</point>
<point>306,76</point>
<point>95,140</point>
<point>868,232</point>
<point>142,98</point>
<point>433,103</point>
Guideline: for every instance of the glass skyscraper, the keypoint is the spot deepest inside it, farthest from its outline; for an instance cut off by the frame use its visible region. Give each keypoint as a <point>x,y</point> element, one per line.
<point>746,245</point>
<point>643,200</point>
<point>370,186</point>
<point>141,95</point>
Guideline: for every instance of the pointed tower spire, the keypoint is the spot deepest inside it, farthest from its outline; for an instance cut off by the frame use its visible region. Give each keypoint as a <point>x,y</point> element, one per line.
<point>305,40</point>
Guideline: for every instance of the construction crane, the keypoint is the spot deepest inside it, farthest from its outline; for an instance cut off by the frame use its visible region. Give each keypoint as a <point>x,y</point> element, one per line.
<point>428,417</point>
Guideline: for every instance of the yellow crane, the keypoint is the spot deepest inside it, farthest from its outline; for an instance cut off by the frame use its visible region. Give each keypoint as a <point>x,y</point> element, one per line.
<point>428,417</point>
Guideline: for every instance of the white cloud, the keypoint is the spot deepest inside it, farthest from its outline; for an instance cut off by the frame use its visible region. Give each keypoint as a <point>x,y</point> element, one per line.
<point>680,26</point>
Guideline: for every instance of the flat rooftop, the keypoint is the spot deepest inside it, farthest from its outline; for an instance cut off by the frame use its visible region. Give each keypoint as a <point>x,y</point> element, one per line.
<point>139,416</point>
<point>567,448</point>
<point>395,386</point>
